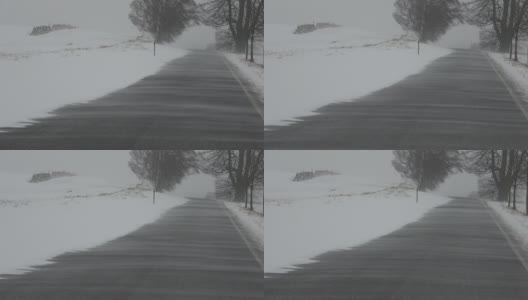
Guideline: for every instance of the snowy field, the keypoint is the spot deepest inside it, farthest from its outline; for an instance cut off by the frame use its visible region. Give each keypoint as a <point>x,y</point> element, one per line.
<point>39,221</point>
<point>308,71</point>
<point>309,218</point>
<point>41,73</point>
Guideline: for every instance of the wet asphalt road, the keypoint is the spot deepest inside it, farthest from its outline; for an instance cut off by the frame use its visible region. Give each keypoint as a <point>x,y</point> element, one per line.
<point>456,251</point>
<point>457,102</point>
<point>193,252</point>
<point>195,102</point>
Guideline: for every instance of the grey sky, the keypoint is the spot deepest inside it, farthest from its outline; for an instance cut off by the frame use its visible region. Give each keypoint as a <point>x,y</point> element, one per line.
<point>372,15</point>
<point>108,165</point>
<point>104,15</point>
<point>369,164</point>
<point>99,15</point>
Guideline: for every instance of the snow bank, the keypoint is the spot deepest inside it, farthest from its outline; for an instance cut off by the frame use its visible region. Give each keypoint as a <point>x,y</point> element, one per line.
<point>252,221</point>
<point>515,71</point>
<point>306,219</point>
<point>39,221</point>
<point>308,71</point>
<point>252,71</point>
<point>515,220</point>
<point>41,73</point>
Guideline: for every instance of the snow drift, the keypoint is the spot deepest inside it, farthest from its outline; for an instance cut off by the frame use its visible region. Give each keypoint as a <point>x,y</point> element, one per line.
<point>39,221</point>
<point>308,218</point>
<point>307,71</point>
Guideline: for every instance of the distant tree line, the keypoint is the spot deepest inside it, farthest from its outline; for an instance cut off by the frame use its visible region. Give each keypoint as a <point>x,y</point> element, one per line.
<point>242,171</point>
<point>244,20</point>
<point>502,22</point>
<point>426,168</point>
<point>163,19</point>
<point>163,169</point>
<point>501,172</point>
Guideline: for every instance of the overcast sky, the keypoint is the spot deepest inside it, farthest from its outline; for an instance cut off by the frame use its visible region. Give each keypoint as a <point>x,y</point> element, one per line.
<point>109,165</point>
<point>372,15</point>
<point>369,164</point>
<point>99,15</point>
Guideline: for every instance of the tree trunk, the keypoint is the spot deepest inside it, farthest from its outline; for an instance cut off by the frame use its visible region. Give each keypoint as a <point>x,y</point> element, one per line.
<point>416,195</point>
<point>515,195</point>
<point>239,194</point>
<point>252,47</point>
<point>154,47</point>
<point>251,198</point>
<point>516,45</point>
<point>504,43</point>
<point>153,196</point>
<point>503,193</point>
<point>246,205</point>
<point>418,46</point>
<point>241,43</point>
<point>526,204</point>
<point>247,50</point>
<point>263,201</point>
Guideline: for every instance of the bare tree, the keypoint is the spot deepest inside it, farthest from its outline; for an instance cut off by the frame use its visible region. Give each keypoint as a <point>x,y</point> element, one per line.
<point>503,166</point>
<point>505,17</point>
<point>240,166</point>
<point>163,169</point>
<point>240,16</point>
<point>257,177</point>
<point>428,19</point>
<point>426,168</point>
<point>163,19</point>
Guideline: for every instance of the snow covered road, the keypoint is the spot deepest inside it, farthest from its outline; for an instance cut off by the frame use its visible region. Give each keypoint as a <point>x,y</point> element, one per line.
<point>457,102</point>
<point>192,252</point>
<point>195,102</point>
<point>456,251</point>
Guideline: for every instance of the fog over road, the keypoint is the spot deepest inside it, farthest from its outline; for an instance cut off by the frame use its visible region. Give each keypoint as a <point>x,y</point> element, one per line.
<point>456,251</point>
<point>193,252</point>
<point>458,102</point>
<point>196,102</point>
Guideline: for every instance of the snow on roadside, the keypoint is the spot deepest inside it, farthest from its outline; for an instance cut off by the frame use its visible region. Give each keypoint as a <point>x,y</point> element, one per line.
<point>308,71</point>
<point>515,71</point>
<point>39,221</point>
<point>252,71</point>
<point>41,73</point>
<point>516,220</point>
<point>252,221</point>
<point>306,219</point>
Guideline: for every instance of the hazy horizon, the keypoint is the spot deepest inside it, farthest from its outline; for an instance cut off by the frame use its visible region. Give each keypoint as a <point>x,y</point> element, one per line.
<point>108,165</point>
<point>370,15</point>
<point>373,164</point>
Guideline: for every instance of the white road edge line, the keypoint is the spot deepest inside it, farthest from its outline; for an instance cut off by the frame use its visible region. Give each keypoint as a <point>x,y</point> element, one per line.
<point>507,85</point>
<point>505,234</point>
<point>248,244</point>
<point>250,96</point>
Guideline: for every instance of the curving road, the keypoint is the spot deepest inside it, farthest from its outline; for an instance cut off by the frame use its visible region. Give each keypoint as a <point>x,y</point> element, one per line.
<point>459,101</point>
<point>196,102</point>
<point>193,252</point>
<point>456,251</point>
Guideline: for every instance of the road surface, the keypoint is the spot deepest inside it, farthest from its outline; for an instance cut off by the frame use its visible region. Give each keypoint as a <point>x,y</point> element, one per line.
<point>196,102</point>
<point>459,101</point>
<point>192,252</point>
<point>456,251</point>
